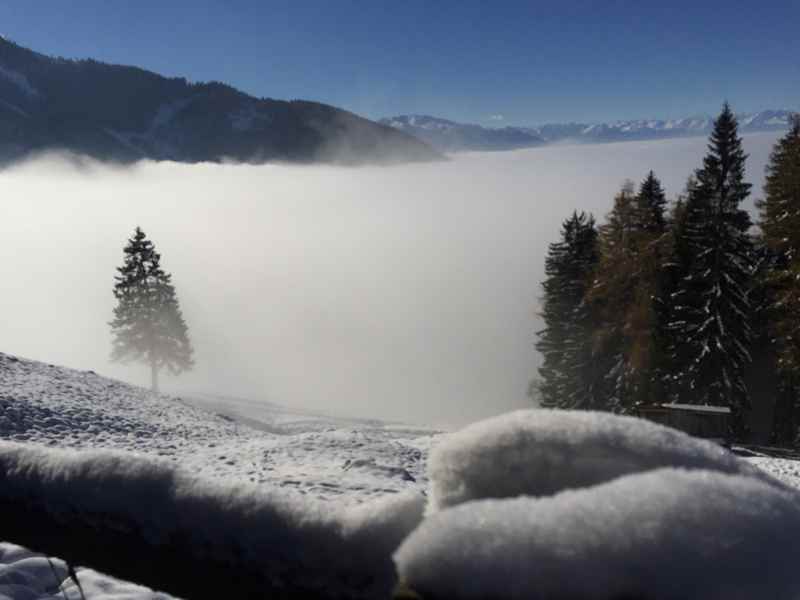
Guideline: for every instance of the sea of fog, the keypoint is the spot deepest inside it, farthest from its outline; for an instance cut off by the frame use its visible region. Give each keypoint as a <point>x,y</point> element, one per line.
<point>407,293</point>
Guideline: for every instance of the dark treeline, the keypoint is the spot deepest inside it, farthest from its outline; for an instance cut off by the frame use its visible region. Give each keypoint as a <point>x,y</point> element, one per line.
<point>686,303</point>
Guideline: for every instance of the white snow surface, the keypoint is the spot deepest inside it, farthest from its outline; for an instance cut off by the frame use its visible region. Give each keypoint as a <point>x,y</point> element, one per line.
<point>323,458</point>
<point>357,486</point>
<point>28,575</point>
<point>786,470</point>
<point>320,465</point>
<point>661,535</point>
<point>541,452</point>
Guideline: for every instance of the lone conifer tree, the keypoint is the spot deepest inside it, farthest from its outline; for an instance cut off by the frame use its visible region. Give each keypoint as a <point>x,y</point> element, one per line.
<point>568,378</point>
<point>711,312</point>
<point>148,326</point>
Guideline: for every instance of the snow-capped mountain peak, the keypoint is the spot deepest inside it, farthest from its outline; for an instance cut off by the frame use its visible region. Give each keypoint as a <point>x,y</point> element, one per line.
<point>450,136</point>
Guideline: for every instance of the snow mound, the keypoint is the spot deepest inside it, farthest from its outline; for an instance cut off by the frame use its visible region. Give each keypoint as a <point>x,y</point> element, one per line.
<point>668,534</point>
<point>541,452</point>
<point>109,510</point>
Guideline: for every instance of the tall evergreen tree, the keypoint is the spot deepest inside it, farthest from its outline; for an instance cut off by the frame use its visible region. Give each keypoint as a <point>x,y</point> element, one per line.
<point>627,295</point>
<point>610,296</point>
<point>648,315</point>
<point>772,405</point>
<point>148,326</point>
<point>650,206</point>
<point>779,220</point>
<point>568,380</point>
<point>710,317</point>
<point>676,269</point>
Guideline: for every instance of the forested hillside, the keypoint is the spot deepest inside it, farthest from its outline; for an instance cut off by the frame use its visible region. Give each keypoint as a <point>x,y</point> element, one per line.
<point>122,113</point>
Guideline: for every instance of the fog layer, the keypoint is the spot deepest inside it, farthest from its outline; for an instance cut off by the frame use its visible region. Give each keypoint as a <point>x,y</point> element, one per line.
<point>404,293</point>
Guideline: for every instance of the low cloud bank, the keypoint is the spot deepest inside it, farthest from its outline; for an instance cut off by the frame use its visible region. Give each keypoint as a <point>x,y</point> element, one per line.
<point>406,292</point>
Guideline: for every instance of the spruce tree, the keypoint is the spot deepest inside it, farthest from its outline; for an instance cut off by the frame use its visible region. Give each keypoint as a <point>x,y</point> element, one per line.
<point>568,379</point>
<point>710,317</point>
<point>650,203</point>
<point>148,326</point>
<point>779,220</point>
<point>676,269</point>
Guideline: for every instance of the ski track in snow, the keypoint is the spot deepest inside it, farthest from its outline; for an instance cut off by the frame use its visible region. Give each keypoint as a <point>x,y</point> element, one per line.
<point>340,460</point>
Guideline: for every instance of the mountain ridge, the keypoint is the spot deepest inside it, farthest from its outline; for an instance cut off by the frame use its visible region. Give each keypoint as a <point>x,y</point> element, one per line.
<point>125,113</point>
<point>451,136</point>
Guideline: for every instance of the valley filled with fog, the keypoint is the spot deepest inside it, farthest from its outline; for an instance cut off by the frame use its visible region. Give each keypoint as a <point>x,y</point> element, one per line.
<point>405,293</point>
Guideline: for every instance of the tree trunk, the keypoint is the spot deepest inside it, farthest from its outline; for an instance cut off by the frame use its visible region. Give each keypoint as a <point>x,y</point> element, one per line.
<point>154,376</point>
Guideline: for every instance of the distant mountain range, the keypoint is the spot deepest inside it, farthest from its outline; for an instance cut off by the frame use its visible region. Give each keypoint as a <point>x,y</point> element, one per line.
<point>122,113</point>
<point>449,136</point>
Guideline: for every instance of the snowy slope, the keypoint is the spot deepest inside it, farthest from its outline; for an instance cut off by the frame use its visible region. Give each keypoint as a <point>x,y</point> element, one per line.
<point>313,458</point>
<point>323,458</point>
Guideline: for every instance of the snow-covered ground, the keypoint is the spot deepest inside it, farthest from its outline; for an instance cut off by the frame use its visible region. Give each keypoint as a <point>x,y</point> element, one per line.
<point>254,450</point>
<point>28,575</point>
<point>222,439</point>
<point>783,469</point>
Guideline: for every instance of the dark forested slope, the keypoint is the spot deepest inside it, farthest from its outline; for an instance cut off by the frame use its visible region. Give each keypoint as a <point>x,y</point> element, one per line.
<point>122,113</point>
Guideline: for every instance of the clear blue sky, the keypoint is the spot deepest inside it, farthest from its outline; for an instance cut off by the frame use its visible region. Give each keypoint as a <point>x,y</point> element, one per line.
<point>529,62</point>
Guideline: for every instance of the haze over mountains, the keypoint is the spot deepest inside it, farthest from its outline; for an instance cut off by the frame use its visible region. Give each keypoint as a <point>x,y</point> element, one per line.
<point>123,113</point>
<point>450,136</point>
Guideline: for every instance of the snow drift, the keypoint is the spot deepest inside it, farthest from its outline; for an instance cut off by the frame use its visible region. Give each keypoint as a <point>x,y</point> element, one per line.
<point>144,521</point>
<point>541,452</point>
<point>663,535</point>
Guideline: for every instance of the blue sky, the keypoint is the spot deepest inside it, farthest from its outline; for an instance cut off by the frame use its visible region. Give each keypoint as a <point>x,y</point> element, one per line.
<point>527,62</point>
